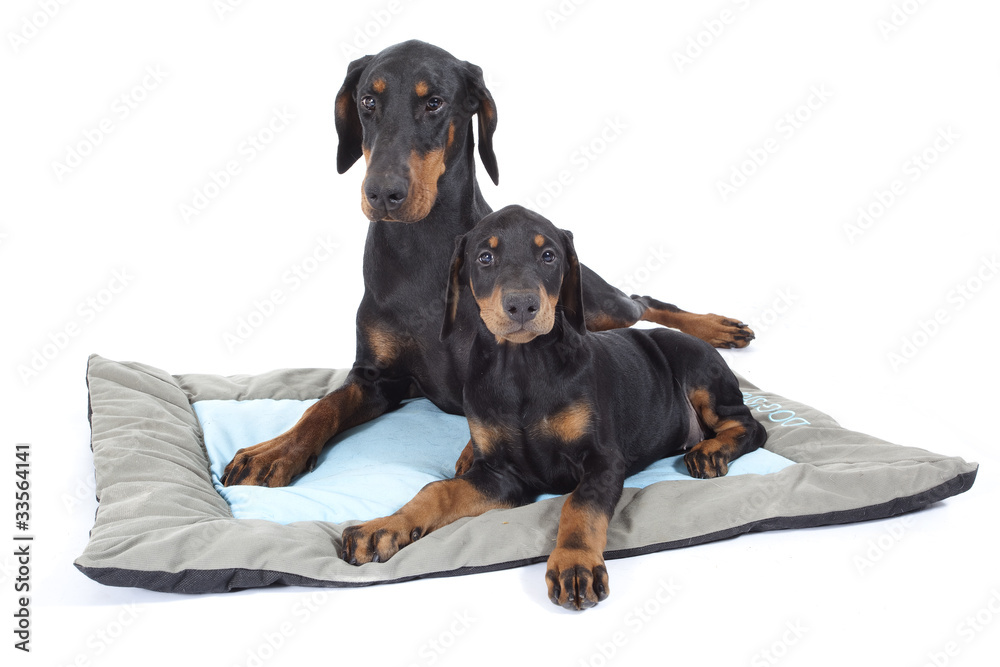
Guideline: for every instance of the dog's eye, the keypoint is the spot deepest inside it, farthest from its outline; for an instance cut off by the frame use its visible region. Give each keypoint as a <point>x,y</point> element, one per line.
<point>486,258</point>
<point>434,103</point>
<point>548,257</point>
<point>368,102</point>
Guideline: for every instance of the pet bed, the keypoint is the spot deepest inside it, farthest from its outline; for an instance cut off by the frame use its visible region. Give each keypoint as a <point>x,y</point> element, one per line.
<point>165,523</point>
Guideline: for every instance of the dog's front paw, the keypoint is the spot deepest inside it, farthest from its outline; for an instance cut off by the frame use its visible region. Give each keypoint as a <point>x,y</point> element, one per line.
<point>376,541</point>
<point>273,463</point>
<point>576,578</point>
<point>706,461</point>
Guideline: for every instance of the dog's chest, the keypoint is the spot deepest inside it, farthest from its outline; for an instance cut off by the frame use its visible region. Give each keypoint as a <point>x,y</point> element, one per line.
<point>543,443</point>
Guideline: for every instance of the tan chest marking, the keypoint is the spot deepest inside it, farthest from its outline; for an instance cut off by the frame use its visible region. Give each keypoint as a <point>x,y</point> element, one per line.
<point>568,425</point>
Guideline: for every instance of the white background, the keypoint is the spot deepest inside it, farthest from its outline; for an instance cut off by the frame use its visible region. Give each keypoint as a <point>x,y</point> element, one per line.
<point>830,309</point>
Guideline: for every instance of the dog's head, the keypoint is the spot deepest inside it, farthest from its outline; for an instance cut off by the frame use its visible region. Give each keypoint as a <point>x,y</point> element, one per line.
<point>408,110</point>
<point>523,273</point>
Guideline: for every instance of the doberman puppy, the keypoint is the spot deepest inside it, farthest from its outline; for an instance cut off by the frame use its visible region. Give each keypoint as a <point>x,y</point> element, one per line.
<point>410,111</point>
<point>553,408</point>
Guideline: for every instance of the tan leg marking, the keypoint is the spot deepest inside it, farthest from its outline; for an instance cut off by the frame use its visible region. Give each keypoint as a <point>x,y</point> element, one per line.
<point>711,457</point>
<point>576,576</point>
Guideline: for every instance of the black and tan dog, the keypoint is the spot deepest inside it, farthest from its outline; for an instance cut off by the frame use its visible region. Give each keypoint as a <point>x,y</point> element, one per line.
<point>411,111</point>
<point>553,408</point>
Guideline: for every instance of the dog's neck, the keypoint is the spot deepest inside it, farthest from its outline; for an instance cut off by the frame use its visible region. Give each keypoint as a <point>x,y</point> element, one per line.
<point>516,379</point>
<point>459,199</point>
<point>555,353</point>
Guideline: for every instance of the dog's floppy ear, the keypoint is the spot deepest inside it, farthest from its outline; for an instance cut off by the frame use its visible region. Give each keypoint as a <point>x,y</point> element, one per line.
<point>571,292</point>
<point>346,116</point>
<point>455,281</point>
<point>486,111</point>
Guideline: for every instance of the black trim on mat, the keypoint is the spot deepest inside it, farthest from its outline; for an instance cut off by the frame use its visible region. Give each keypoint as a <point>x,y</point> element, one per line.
<point>234,579</point>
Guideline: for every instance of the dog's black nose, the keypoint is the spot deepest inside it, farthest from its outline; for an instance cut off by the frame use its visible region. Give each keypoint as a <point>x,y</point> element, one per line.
<point>521,306</point>
<point>386,193</point>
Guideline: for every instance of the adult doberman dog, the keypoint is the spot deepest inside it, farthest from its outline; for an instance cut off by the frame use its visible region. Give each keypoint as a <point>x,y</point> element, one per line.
<point>409,111</point>
<point>555,409</point>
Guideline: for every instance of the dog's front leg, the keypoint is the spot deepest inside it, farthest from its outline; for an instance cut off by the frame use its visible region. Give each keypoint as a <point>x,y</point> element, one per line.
<point>576,576</point>
<point>276,462</point>
<point>436,505</point>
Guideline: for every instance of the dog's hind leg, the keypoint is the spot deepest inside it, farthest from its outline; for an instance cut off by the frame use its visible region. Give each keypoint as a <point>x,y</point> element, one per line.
<point>606,307</point>
<point>735,433</point>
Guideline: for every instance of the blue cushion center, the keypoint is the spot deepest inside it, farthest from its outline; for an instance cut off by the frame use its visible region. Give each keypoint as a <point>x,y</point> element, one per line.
<point>374,469</point>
